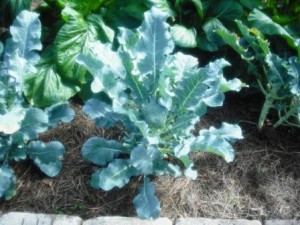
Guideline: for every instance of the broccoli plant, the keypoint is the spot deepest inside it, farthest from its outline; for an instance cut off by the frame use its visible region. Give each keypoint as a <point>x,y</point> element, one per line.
<point>156,97</point>
<point>277,77</point>
<point>20,123</point>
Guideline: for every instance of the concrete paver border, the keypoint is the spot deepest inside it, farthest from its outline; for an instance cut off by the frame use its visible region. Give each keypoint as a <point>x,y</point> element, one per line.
<point>23,218</point>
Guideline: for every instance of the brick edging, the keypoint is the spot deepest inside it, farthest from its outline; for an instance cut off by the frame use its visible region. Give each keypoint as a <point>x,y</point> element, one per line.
<point>22,218</point>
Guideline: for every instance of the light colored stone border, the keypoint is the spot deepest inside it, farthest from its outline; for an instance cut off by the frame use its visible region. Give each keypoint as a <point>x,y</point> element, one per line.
<point>205,221</point>
<point>17,218</point>
<point>282,222</point>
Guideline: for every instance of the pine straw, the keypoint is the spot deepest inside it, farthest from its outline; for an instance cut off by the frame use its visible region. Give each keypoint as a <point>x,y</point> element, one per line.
<point>262,182</point>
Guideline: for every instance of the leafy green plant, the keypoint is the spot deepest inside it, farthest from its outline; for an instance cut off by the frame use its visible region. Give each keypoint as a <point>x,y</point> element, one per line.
<point>20,124</point>
<point>58,76</point>
<point>194,22</point>
<point>156,97</point>
<point>9,9</point>
<point>277,77</point>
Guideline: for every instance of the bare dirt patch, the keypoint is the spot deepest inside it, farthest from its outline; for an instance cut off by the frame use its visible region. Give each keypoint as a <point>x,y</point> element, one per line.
<point>263,181</point>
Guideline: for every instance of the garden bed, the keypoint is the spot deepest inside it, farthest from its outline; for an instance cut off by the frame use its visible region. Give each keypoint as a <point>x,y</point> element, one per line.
<point>263,182</point>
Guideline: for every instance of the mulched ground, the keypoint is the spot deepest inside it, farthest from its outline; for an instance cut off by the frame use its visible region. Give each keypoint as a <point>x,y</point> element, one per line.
<point>262,182</point>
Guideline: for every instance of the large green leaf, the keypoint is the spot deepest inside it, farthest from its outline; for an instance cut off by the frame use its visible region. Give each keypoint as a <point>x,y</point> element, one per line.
<point>46,87</point>
<point>154,43</point>
<point>69,45</point>
<point>84,7</point>
<point>183,36</point>
<point>211,38</point>
<point>163,5</point>
<point>199,6</point>
<point>117,174</point>
<point>227,10</point>
<point>252,4</point>
<point>255,39</point>
<point>7,182</point>
<point>101,151</point>
<point>47,156</point>
<point>233,40</point>
<point>255,46</point>
<point>267,26</point>
<point>146,203</point>
<point>9,9</point>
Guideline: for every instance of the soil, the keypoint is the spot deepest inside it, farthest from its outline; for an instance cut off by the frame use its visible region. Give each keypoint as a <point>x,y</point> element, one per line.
<point>263,182</point>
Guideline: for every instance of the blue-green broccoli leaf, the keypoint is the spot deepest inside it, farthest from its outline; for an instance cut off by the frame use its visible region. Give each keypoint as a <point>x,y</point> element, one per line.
<point>47,156</point>
<point>162,167</point>
<point>106,67</point>
<point>218,141</point>
<point>3,147</point>
<point>294,72</point>
<point>104,116</point>
<point>16,147</point>
<point>144,159</point>
<point>1,48</point>
<point>137,89</point>
<point>35,122</point>
<point>60,112</point>
<point>277,75</point>
<point>116,174</point>
<point>154,114</point>
<point>101,151</point>
<point>8,182</point>
<point>11,121</point>
<point>189,171</point>
<point>189,91</point>
<point>154,43</point>
<point>21,49</point>
<point>128,39</point>
<point>26,34</point>
<point>205,85</point>
<point>146,203</point>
